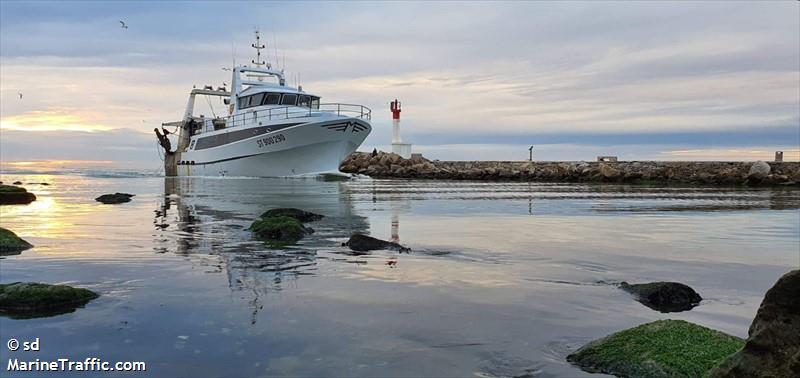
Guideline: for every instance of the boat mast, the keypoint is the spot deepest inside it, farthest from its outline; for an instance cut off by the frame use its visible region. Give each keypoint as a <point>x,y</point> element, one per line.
<point>258,46</point>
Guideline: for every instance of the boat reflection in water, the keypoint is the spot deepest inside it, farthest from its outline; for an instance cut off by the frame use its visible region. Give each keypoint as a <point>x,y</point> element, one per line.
<point>210,216</point>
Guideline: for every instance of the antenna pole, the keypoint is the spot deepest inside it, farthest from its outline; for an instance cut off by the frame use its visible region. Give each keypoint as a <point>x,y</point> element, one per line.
<point>258,46</point>
<point>233,55</point>
<point>275,47</point>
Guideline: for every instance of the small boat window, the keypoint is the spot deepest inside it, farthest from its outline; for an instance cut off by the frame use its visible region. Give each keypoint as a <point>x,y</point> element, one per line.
<point>272,99</point>
<point>314,103</point>
<point>243,102</point>
<point>289,99</point>
<point>255,100</point>
<point>304,101</point>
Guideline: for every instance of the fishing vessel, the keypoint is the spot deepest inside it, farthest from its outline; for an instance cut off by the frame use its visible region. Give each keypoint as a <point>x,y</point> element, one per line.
<point>271,129</point>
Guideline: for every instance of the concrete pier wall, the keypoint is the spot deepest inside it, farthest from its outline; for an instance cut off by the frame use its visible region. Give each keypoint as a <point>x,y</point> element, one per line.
<point>387,165</point>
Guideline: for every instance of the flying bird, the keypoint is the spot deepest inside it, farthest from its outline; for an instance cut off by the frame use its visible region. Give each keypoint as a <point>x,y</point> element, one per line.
<point>20,95</point>
<point>122,24</point>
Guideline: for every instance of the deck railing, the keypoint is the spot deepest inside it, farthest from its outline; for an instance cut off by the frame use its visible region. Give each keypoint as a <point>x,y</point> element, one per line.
<point>288,112</point>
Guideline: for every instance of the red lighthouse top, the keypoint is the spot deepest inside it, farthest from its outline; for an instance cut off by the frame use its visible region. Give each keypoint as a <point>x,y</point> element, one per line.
<point>395,107</point>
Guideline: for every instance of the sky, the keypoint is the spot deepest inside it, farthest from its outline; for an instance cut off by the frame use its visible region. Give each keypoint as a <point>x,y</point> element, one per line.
<point>640,80</point>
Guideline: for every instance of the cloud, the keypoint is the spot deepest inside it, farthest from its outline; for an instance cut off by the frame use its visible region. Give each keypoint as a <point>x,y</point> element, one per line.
<point>467,72</point>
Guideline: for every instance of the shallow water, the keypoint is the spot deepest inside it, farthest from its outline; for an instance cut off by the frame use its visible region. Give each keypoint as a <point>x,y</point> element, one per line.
<point>504,279</point>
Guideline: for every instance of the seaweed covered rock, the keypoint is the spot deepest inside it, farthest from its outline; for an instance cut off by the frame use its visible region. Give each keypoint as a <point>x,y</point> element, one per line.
<point>110,199</point>
<point>11,244</point>
<point>32,300</point>
<point>15,195</point>
<point>665,348</point>
<point>301,215</point>
<point>664,296</point>
<point>280,229</point>
<point>773,346</point>
<point>363,243</point>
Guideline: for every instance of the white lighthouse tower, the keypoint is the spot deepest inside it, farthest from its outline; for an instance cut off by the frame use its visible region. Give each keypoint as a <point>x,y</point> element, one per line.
<point>398,147</point>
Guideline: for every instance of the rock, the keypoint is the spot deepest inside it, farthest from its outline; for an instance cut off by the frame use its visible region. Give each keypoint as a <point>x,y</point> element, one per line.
<point>773,346</point>
<point>609,172</point>
<point>415,159</point>
<point>758,171</point>
<point>664,296</point>
<point>279,229</point>
<point>664,348</point>
<point>11,244</point>
<point>17,182</point>
<point>33,300</point>
<point>632,176</point>
<point>115,198</point>
<point>359,242</point>
<point>15,195</point>
<point>301,215</point>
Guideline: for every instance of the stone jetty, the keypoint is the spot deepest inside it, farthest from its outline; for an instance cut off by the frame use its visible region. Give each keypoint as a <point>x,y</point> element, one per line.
<point>389,165</point>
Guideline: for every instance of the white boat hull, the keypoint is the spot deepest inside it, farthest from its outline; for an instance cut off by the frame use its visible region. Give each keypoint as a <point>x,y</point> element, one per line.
<point>311,146</point>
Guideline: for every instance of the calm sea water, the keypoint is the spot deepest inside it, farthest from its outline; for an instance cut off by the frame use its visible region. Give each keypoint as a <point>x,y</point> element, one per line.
<point>505,279</point>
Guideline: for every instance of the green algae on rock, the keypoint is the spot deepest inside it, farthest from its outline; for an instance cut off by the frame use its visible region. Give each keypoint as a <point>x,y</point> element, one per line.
<point>15,195</point>
<point>301,215</point>
<point>664,348</point>
<point>11,244</point>
<point>22,300</point>
<point>280,229</point>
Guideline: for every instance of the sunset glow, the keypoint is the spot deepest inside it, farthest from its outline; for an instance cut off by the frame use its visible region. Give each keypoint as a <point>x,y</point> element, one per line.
<point>732,154</point>
<point>52,120</point>
<point>47,164</point>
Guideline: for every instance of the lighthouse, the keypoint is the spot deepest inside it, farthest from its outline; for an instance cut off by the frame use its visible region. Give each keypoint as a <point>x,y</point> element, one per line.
<point>398,147</point>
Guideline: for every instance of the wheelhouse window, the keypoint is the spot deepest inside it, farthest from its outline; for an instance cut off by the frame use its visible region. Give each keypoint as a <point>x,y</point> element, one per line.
<point>307,101</point>
<point>244,102</point>
<point>255,100</point>
<point>304,101</point>
<point>272,99</point>
<point>289,99</point>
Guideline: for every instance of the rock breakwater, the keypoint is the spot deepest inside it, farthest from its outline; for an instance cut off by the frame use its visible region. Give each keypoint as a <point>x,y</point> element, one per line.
<point>389,165</point>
